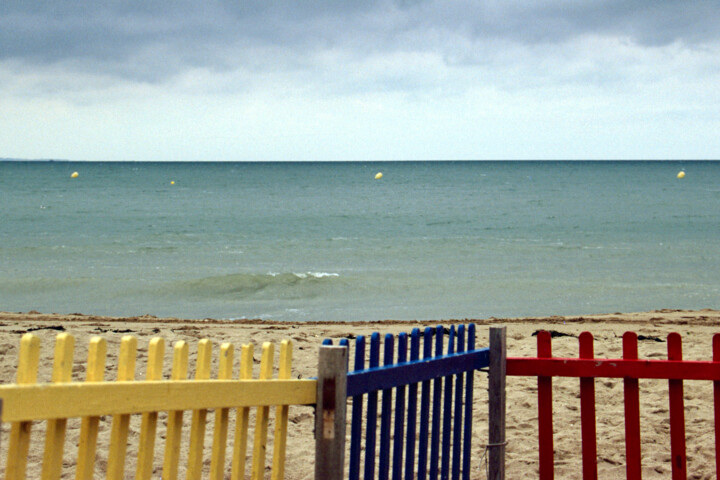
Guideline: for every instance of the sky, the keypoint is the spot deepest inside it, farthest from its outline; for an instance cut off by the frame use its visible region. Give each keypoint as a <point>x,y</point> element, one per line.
<point>244,80</point>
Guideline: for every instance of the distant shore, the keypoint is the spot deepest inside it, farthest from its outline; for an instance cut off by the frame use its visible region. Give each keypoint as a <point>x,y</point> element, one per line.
<point>696,327</point>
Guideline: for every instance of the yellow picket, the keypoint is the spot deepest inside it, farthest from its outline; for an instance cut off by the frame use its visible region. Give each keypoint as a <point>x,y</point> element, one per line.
<point>97,352</point>
<point>261,420</point>
<point>242,418</point>
<point>55,433</point>
<point>174,422</point>
<point>220,430</point>
<point>199,417</point>
<point>148,426</point>
<point>121,423</point>
<point>281,415</point>
<point>19,443</point>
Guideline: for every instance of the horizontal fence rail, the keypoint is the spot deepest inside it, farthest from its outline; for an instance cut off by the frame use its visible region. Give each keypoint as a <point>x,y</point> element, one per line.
<point>27,401</point>
<point>426,439</point>
<point>631,369</point>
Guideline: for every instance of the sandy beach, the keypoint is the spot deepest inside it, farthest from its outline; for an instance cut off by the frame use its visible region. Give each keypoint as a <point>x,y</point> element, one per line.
<point>696,328</point>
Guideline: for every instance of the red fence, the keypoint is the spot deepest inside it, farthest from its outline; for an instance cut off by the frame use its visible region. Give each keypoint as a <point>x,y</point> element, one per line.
<point>630,368</point>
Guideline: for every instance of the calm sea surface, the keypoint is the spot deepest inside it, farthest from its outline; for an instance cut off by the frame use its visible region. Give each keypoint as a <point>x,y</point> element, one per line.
<point>326,241</point>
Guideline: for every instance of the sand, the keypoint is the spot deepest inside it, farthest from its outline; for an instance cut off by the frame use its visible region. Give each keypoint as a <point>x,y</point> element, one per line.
<point>696,328</point>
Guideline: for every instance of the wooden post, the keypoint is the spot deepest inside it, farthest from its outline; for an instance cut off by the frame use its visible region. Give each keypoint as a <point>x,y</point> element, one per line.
<point>496,381</point>
<point>330,413</point>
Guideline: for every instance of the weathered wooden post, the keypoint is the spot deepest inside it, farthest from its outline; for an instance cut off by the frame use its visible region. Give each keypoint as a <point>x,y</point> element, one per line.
<point>330,413</point>
<point>496,383</point>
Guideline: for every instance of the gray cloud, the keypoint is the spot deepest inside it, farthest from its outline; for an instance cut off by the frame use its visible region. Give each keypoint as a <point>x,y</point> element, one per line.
<point>150,41</point>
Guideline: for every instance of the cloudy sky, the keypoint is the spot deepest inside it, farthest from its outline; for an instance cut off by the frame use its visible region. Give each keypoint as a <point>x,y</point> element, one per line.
<point>357,80</point>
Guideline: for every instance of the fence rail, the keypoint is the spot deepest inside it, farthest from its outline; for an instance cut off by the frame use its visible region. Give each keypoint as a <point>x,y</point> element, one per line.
<point>631,369</point>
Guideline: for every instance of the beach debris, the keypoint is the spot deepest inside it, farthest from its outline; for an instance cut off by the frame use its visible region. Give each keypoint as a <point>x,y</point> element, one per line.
<point>681,174</point>
<point>554,334</point>
<point>649,337</point>
<point>378,175</point>
<point>74,175</point>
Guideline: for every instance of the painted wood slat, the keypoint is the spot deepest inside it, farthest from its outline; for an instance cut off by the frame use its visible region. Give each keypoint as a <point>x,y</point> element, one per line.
<point>447,413</point>
<point>457,410</point>
<point>242,415</point>
<point>199,416</point>
<point>281,415</point>
<point>469,386</point>
<point>97,354</point>
<point>55,433</point>
<point>19,442</point>
<point>545,411</point>
<point>399,429</point>
<point>148,424</point>
<point>412,409</point>
<point>371,415</point>
<point>587,413</point>
<point>261,422</point>
<point>716,404</point>
<point>175,417</point>
<point>497,402</point>
<point>632,411</point>
<point>386,414</point>
<point>357,410</point>
<point>424,410</point>
<point>436,410</point>
<point>220,429</point>
<point>677,413</point>
<point>121,423</point>
<point>382,378</point>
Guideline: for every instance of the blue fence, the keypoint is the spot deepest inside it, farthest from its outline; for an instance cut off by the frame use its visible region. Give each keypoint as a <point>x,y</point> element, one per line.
<point>437,442</point>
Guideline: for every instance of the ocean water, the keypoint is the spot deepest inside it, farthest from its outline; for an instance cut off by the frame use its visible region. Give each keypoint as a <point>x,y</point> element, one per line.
<point>326,241</point>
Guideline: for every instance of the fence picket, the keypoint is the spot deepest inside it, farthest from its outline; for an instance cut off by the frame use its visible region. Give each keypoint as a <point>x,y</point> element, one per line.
<point>424,410</point>
<point>458,412</point>
<point>371,415</point>
<point>220,428</point>
<point>677,413</point>
<point>412,409</point>
<point>261,422</point>
<point>199,417</point>
<point>399,429</point>
<point>121,423</point>
<point>437,412</point>
<point>386,413</point>
<point>632,411</point>
<point>357,410</point>
<point>281,414</point>
<point>587,412</point>
<point>469,388</point>
<point>447,412</point>
<point>545,411</point>
<point>55,433</point>
<point>97,352</point>
<point>242,417</point>
<point>716,404</point>
<point>148,425</point>
<point>175,417</point>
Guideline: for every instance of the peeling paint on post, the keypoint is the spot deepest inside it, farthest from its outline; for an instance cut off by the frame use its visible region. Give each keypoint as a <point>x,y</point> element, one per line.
<point>330,413</point>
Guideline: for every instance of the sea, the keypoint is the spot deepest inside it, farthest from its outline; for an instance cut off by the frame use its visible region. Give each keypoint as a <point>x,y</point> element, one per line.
<point>328,241</point>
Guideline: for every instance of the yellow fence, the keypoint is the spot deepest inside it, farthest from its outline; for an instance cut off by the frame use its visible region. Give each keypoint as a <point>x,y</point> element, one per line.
<point>27,402</point>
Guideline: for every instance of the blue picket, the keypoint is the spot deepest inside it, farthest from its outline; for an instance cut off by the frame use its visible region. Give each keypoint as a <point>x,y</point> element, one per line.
<point>447,413</point>
<point>469,384</point>
<point>357,409</point>
<point>399,412</point>
<point>371,425</point>
<point>457,416</point>
<point>424,410</point>
<point>386,414</point>
<point>412,409</point>
<point>437,397</point>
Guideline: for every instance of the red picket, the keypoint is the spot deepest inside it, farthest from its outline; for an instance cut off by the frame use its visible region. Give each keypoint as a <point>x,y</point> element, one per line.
<point>677,413</point>
<point>632,411</point>
<point>716,398</point>
<point>545,411</point>
<point>587,412</point>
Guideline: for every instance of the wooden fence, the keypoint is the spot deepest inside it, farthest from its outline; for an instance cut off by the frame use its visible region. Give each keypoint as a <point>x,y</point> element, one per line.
<point>54,403</point>
<point>432,442</point>
<point>631,369</point>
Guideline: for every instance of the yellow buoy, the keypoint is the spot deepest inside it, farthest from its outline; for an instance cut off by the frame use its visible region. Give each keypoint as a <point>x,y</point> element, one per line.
<point>172,182</point>
<point>378,176</point>
<point>74,175</point>
<point>681,174</point>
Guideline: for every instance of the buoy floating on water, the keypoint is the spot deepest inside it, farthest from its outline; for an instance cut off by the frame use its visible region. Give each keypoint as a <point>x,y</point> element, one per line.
<point>681,174</point>
<point>378,175</point>
<point>74,175</point>
<point>172,182</point>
